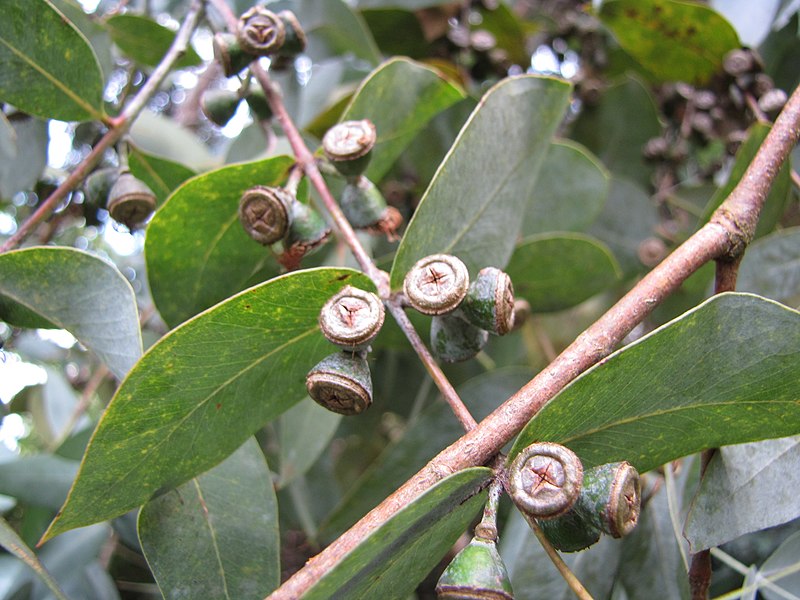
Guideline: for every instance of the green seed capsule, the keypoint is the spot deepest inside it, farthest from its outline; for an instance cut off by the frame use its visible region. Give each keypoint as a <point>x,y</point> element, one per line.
<point>569,532</point>
<point>294,42</point>
<point>348,145</point>
<point>610,498</point>
<point>454,339</point>
<point>98,185</point>
<point>130,201</point>
<point>477,572</point>
<point>257,101</point>
<point>308,230</point>
<point>260,32</point>
<point>341,383</point>
<point>489,303</point>
<point>219,105</point>
<point>362,203</point>
<point>229,54</point>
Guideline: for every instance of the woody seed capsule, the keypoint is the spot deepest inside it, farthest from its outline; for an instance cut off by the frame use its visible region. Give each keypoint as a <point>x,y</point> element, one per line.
<point>341,383</point>
<point>349,144</point>
<point>352,318</point>
<point>545,480</point>
<point>489,303</point>
<point>130,201</point>
<point>260,32</point>
<point>436,284</point>
<point>265,213</point>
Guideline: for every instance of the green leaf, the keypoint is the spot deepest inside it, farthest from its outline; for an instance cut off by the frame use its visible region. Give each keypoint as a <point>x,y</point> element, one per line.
<point>558,271</point>
<point>306,430</point>
<point>160,174</point>
<point>617,128</point>
<point>674,41</point>
<point>779,193</point>
<point>730,500</point>
<point>78,292</point>
<point>434,429</point>
<point>400,98</point>
<point>159,135</point>
<point>49,69</point>
<point>570,192</point>
<point>625,236</point>
<point>333,29</point>
<point>782,569</point>
<point>216,536</point>
<point>14,544</point>
<point>397,32</point>
<point>198,228</point>
<point>651,565</point>
<point>145,41</point>
<point>771,267</point>
<point>596,567</point>
<point>726,372</point>
<point>20,172</point>
<point>201,391</point>
<point>472,206</point>
<point>401,552</point>
<point>94,32</point>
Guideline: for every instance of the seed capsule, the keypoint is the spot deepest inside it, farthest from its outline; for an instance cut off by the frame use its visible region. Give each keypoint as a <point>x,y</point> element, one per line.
<point>341,383</point>
<point>454,339</point>
<point>294,42</point>
<point>98,185</point>
<point>257,101</point>
<point>489,303</point>
<point>436,284</point>
<point>348,146</point>
<point>265,213</point>
<point>365,208</point>
<point>477,572</point>
<point>260,32</point>
<point>229,54</point>
<point>610,498</point>
<point>545,480</point>
<point>130,201</point>
<point>308,229</point>
<point>352,318</point>
<point>219,106</point>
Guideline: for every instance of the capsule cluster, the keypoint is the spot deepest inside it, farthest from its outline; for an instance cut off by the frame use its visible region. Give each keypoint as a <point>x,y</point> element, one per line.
<point>573,506</point>
<point>129,200</point>
<point>348,147</point>
<point>464,313</point>
<point>342,382</point>
<point>273,214</point>
<point>260,32</point>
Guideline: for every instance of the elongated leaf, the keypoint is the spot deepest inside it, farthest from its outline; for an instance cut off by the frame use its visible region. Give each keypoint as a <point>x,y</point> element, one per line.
<point>162,175</point>
<point>617,128</point>
<point>145,41</point>
<point>673,40</point>
<point>201,391</point>
<point>779,193</point>
<point>159,135</point>
<point>198,228</point>
<point>333,29</point>
<point>397,556</point>
<point>61,286</point>
<point>19,173</point>
<point>39,479</point>
<point>783,568</point>
<point>306,430</point>
<point>771,267</point>
<point>14,544</point>
<point>570,192</point>
<point>533,575</point>
<point>726,372</point>
<point>557,271</point>
<point>730,500</point>
<point>216,536</point>
<point>472,206</point>
<point>49,70</point>
<point>400,98</point>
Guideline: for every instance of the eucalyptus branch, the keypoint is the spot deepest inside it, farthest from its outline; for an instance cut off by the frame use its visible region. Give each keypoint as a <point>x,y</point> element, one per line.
<point>306,160</point>
<point>726,235</point>
<point>118,126</point>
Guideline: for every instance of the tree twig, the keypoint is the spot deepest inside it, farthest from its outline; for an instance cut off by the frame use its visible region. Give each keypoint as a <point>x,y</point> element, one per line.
<point>726,235</point>
<point>119,126</point>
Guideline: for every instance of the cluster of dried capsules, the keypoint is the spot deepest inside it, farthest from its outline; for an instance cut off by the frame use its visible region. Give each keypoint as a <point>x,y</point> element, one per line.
<point>573,506</point>
<point>348,147</point>
<point>464,313</point>
<point>341,382</point>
